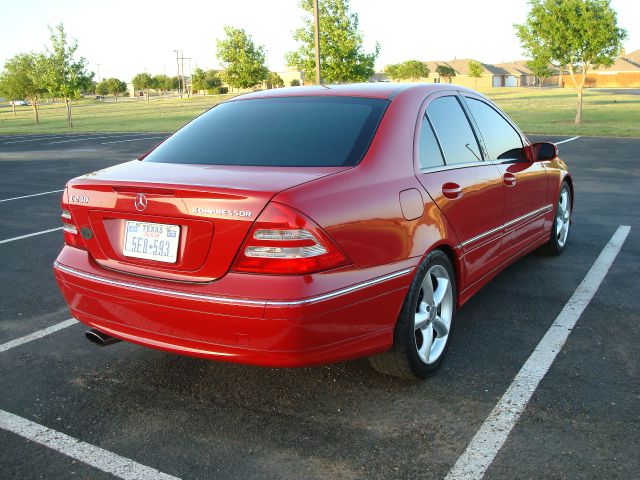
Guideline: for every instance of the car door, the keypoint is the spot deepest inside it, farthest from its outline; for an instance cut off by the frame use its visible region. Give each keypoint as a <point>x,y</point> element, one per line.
<point>467,189</point>
<point>524,182</point>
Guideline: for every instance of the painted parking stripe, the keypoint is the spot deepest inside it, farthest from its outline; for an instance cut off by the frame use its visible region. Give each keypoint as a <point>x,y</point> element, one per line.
<point>568,140</point>
<point>132,140</point>
<point>29,196</point>
<point>96,457</point>
<point>36,335</point>
<point>488,441</point>
<point>86,139</point>
<point>29,235</point>
<point>24,140</point>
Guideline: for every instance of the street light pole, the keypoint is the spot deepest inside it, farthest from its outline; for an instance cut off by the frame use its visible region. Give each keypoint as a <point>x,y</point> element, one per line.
<point>178,63</point>
<point>316,20</point>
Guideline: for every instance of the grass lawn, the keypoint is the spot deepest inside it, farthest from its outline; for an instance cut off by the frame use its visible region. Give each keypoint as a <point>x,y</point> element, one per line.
<point>549,111</point>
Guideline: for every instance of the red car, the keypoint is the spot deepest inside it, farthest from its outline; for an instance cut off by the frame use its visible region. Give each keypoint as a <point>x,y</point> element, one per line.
<point>304,226</point>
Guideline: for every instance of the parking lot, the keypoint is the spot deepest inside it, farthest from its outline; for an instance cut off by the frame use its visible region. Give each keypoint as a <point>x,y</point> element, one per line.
<point>195,419</point>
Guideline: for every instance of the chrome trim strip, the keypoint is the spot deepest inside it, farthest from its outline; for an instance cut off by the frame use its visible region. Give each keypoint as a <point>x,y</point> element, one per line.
<point>236,301</point>
<point>544,209</point>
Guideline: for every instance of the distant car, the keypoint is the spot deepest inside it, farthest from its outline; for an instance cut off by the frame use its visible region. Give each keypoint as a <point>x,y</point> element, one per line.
<point>19,103</point>
<point>100,98</point>
<point>310,225</point>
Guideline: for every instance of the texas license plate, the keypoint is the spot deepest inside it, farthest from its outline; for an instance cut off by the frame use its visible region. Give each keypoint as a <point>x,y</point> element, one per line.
<point>152,241</point>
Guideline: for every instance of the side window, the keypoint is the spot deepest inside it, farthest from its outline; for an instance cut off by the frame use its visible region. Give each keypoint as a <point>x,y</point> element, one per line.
<point>501,139</point>
<point>450,123</point>
<point>429,154</point>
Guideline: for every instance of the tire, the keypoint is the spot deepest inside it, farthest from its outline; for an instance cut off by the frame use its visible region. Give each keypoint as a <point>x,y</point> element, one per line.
<point>559,235</point>
<point>433,311</point>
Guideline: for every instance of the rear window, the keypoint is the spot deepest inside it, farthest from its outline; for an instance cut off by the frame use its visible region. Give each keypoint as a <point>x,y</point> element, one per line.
<point>289,131</point>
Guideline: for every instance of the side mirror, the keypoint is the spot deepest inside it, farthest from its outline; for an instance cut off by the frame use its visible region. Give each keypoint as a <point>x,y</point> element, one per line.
<point>544,151</point>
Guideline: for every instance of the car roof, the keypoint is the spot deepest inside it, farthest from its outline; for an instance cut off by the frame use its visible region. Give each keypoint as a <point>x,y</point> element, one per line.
<point>383,90</point>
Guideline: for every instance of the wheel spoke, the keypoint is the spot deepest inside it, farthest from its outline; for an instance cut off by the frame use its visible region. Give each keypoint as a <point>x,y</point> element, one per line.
<point>427,342</point>
<point>438,295</point>
<point>422,317</point>
<point>559,224</point>
<point>427,289</point>
<point>440,327</point>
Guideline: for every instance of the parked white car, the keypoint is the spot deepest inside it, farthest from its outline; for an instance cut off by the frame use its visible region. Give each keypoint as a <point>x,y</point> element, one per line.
<point>19,103</point>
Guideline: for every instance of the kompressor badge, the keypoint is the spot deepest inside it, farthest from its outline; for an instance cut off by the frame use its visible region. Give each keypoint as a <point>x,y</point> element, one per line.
<point>221,212</point>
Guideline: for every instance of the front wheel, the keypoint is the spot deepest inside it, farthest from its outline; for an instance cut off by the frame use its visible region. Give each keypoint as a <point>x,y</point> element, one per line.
<point>422,333</point>
<point>561,223</point>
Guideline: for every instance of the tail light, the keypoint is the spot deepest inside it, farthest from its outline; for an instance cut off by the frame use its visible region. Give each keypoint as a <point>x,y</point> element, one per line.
<point>284,241</point>
<point>70,230</point>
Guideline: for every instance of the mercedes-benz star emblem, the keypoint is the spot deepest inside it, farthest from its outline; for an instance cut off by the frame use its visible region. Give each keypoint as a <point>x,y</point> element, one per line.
<point>141,202</point>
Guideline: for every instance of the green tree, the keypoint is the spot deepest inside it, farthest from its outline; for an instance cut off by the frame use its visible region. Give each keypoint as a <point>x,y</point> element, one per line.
<point>393,71</point>
<point>116,87</point>
<point>295,82</point>
<point>342,56</point>
<point>161,83</point>
<point>540,68</point>
<point>579,35</point>
<point>446,71</point>
<point>102,88</point>
<point>174,83</point>
<point>67,76</point>
<point>24,77</point>
<point>274,80</point>
<point>205,80</point>
<point>243,61</point>
<point>143,82</point>
<point>411,69</point>
<point>476,70</point>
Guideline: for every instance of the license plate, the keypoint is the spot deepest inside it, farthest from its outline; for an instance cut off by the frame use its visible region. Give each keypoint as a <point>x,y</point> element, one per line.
<point>151,241</point>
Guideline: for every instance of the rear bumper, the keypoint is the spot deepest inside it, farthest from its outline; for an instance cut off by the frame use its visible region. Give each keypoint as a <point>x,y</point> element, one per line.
<point>325,317</point>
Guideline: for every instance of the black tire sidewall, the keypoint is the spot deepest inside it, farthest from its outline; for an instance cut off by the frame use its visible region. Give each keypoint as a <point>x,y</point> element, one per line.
<point>404,338</point>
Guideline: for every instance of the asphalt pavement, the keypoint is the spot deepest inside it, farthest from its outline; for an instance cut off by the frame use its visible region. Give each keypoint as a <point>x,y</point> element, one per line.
<point>197,419</point>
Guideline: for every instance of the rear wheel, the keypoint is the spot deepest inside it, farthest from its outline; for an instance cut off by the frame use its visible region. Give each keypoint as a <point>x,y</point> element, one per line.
<point>421,337</point>
<point>562,222</point>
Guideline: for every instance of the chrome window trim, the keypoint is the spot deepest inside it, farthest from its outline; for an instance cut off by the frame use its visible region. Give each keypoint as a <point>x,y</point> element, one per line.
<point>472,164</point>
<point>229,300</point>
<point>545,209</point>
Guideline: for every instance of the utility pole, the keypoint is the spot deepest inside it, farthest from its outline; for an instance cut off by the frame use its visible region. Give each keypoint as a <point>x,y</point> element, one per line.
<point>178,62</point>
<point>316,19</point>
<point>98,73</point>
<point>184,82</point>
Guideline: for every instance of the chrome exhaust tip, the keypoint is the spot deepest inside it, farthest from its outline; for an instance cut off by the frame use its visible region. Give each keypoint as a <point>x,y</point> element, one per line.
<point>99,338</point>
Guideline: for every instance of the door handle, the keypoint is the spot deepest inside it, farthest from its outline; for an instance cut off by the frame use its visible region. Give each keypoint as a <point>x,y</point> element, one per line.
<point>451,190</point>
<point>509,179</point>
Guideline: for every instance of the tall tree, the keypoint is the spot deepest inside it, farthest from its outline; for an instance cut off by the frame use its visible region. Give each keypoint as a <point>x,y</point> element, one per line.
<point>243,61</point>
<point>67,76</point>
<point>143,82</point>
<point>342,56</point>
<point>102,88</point>
<point>579,35</point>
<point>446,71</point>
<point>205,80</point>
<point>24,77</point>
<point>476,70</point>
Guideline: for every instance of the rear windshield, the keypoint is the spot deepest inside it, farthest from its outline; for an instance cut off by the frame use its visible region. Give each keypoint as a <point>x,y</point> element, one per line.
<point>290,131</point>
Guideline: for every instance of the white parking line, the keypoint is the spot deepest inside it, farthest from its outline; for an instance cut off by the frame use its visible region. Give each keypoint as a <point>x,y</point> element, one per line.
<point>87,139</point>
<point>36,335</point>
<point>97,457</point>
<point>24,140</point>
<point>568,140</point>
<point>488,441</point>
<point>132,140</point>
<point>29,196</point>
<point>29,235</point>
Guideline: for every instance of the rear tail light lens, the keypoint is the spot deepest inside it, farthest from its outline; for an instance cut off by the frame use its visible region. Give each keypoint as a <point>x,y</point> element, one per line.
<point>71,236</point>
<point>285,241</point>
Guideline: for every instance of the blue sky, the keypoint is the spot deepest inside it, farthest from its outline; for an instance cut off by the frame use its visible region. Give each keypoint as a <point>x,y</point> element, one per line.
<point>126,37</point>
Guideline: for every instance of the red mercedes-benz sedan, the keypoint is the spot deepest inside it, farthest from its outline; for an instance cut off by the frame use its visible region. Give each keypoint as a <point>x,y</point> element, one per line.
<point>304,226</point>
